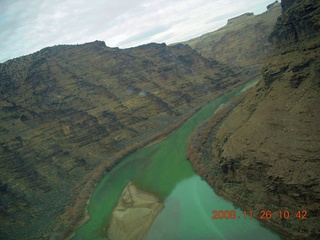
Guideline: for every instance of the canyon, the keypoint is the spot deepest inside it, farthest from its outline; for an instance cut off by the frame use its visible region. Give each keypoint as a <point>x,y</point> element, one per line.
<point>243,41</point>
<point>70,113</point>
<point>264,153</point>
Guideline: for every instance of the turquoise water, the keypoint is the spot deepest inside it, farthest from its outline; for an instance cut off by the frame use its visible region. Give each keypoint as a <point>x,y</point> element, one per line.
<point>188,215</point>
<point>162,169</point>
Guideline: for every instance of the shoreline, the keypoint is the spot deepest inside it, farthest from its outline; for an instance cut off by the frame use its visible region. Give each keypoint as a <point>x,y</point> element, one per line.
<point>134,214</point>
<point>102,169</point>
<point>213,181</point>
<point>74,217</point>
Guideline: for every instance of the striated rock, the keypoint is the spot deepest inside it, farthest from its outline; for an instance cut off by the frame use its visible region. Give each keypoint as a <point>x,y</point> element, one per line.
<point>298,22</point>
<point>265,154</point>
<point>243,41</point>
<point>69,113</point>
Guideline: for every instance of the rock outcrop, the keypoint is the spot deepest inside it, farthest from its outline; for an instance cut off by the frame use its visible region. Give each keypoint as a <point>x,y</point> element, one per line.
<point>69,113</point>
<point>243,41</point>
<point>265,153</point>
<point>297,24</point>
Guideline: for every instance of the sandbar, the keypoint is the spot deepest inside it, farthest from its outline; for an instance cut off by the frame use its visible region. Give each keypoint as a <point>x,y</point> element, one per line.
<point>134,214</point>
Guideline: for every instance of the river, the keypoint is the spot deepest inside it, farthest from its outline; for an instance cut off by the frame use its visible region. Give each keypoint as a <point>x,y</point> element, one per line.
<point>163,170</point>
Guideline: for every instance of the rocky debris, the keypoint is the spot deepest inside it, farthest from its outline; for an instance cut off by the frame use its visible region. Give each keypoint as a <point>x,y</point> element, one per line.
<point>265,154</point>
<point>68,113</point>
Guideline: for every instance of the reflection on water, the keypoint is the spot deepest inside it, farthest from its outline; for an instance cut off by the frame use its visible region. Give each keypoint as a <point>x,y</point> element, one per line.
<point>163,170</point>
<point>188,215</point>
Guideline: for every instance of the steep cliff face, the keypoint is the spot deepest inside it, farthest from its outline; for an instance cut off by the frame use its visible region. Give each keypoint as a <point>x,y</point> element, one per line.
<point>298,23</point>
<point>68,113</point>
<point>243,41</point>
<point>265,154</point>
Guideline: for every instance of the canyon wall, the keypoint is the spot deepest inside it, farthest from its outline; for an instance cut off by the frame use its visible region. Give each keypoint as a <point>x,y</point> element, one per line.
<point>265,153</point>
<point>243,41</point>
<point>69,113</point>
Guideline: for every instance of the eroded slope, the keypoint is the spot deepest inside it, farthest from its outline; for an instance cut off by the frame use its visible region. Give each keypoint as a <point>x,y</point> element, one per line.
<point>69,113</point>
<point>243,41</point>
<point>265,154</point>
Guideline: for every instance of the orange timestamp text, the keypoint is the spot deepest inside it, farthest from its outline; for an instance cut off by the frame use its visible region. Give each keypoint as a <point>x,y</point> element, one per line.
<point>263,214</point>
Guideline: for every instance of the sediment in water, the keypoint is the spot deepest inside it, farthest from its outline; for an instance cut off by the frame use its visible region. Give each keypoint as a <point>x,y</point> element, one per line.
<point>134,214</point>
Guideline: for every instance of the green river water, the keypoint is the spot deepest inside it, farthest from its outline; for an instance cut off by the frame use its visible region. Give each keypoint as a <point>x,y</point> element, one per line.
<point>163,170</point>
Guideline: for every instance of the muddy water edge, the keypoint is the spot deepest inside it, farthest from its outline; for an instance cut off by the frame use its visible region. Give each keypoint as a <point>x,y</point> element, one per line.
<point>163,170</point>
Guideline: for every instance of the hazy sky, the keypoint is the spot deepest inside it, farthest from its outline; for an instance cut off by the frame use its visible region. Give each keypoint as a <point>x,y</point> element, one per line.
<point>27,26</point>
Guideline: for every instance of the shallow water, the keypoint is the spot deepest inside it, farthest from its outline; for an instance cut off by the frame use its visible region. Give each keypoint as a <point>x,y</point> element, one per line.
<point>188,215</point>
<point>163,170</point>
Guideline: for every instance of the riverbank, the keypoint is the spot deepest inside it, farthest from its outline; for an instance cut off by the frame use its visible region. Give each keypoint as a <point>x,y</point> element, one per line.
<point>74,216</point>
<point>257,163</point>
<point>163,170</point>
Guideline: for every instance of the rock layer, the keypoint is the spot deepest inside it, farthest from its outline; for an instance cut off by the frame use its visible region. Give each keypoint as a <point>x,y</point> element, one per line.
<point>243,41</point>
<point>69,113</point>
<point>265,154</point>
